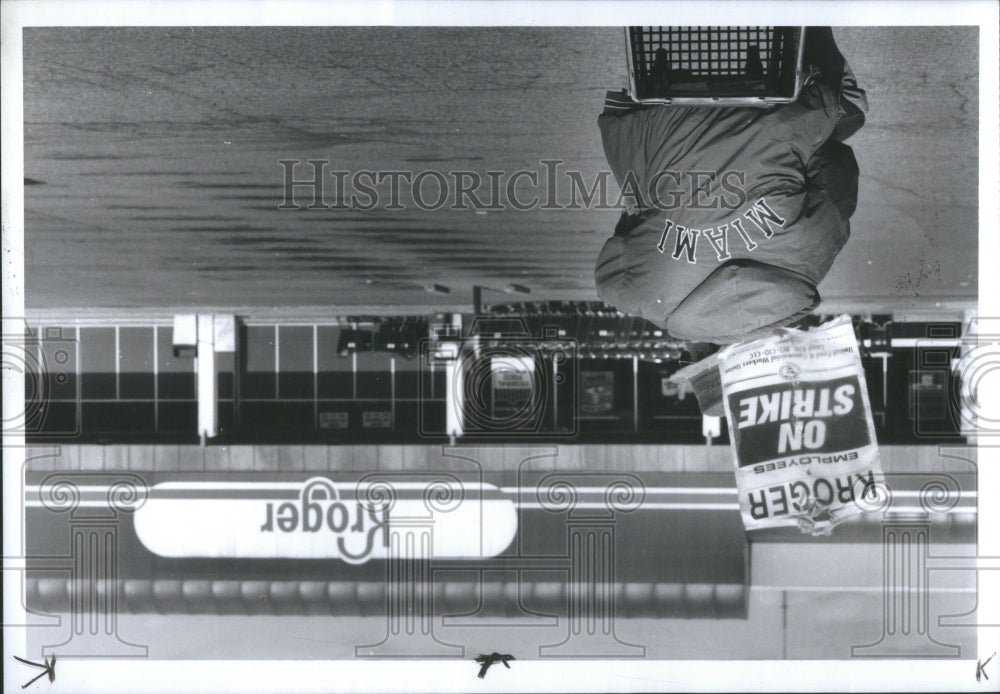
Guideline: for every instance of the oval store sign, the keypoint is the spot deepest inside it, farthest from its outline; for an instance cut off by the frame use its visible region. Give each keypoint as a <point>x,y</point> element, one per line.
<point>323,519</point>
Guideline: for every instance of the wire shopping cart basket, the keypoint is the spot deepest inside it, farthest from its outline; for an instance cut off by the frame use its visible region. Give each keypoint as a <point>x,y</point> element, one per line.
<point>715,66</point>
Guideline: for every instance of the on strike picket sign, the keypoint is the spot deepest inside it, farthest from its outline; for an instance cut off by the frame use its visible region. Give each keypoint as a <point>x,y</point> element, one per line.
<point>801,428</point>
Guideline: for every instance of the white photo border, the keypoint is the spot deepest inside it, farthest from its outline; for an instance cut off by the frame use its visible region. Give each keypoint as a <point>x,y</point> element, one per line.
<point>603,675</point>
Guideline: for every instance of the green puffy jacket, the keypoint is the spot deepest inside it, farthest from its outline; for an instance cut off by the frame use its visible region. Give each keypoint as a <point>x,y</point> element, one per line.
<point>737,213</point>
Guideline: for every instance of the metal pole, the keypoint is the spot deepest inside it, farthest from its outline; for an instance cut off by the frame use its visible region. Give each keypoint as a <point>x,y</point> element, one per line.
<point>208,414</point>
<point>315,365</point>
<point>555,394</point>
<point>392,389</point>
<point>635,393</point>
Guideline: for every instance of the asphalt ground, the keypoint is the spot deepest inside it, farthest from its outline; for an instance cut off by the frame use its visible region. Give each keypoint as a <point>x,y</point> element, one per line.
<point>152,174</point>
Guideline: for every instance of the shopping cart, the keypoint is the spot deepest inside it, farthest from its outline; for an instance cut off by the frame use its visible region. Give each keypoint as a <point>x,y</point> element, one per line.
<point>715,66</point>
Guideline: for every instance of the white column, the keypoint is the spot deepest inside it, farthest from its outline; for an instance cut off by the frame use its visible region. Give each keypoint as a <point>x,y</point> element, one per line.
<point>967,417</point>
<point>454,383</point>
<point>711,427</point>
<point>208,407</point>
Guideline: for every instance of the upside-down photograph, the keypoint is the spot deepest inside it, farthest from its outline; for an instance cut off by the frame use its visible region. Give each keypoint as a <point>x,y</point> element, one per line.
<point>436,351</point>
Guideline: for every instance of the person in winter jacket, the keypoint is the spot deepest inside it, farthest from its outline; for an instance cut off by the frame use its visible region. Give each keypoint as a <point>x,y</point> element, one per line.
<point>736,213</point>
